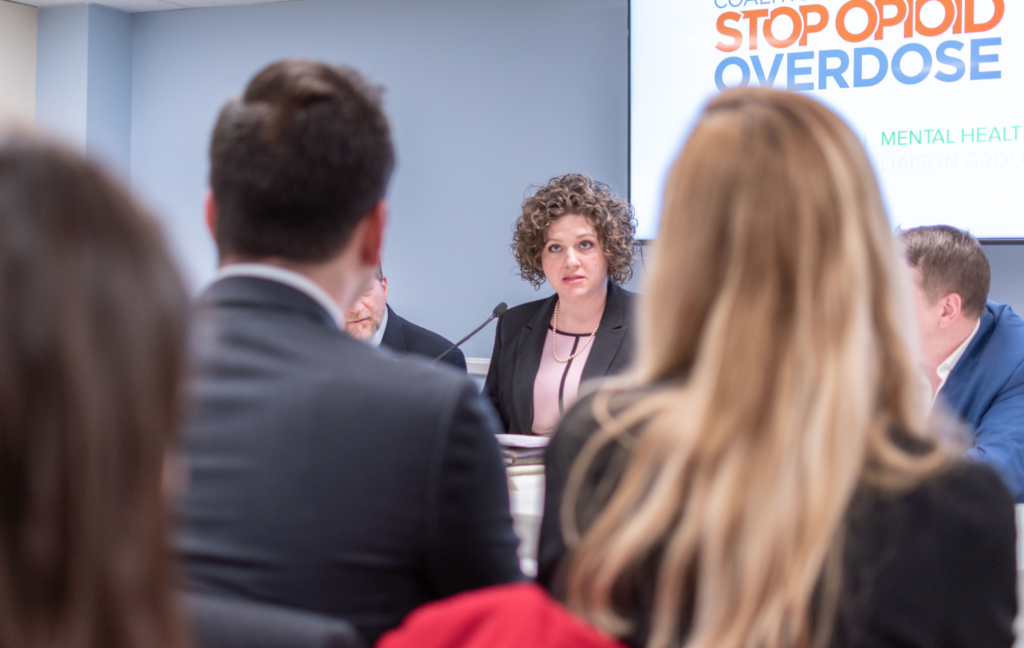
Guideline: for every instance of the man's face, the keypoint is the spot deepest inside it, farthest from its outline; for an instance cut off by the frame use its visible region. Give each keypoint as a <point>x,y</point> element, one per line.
<point>365,316</point>
<point>929,315</point>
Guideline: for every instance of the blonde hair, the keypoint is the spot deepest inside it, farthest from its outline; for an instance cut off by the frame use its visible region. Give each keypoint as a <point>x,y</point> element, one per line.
<point>776,291</point>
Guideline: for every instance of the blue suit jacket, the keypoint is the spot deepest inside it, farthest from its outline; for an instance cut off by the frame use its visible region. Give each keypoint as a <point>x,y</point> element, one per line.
<point>986,390</point>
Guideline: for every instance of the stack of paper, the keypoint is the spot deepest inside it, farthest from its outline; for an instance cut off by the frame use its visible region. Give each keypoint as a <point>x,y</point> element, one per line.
<point>522,449</point>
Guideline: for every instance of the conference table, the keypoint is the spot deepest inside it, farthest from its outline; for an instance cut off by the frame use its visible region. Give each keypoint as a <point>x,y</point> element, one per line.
<point>526,494</point>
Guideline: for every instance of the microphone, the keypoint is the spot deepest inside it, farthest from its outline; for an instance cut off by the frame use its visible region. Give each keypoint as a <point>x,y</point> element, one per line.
<point>498,311</point>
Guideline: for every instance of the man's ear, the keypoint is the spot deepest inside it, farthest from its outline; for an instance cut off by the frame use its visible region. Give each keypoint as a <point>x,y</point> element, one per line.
<point>373,234</point>
<point>384,285</point>
<point>211,215</point>
<point>951,308</point>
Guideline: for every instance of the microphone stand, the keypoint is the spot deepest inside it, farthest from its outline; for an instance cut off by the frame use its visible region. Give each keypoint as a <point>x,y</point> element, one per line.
<point>499,310</point>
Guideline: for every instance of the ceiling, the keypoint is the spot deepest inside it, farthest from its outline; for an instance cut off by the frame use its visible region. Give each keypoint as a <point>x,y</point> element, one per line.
<point>138,6</point>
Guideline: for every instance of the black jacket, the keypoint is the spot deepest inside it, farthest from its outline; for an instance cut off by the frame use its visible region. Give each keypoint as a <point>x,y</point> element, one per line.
<point>935,566</point>
<point>402,337</point>
<point>519,343</point>
<point>326,477</point>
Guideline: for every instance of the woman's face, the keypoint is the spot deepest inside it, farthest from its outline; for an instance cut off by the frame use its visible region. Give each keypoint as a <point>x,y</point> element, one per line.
<point>573,260</point>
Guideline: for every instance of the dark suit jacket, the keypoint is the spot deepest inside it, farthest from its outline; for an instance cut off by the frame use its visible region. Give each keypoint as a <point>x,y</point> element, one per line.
<point>986,390</point>
<point>325,477</point>
<point>402,337</point>
<point>935,566</point>
<point>519,343</point>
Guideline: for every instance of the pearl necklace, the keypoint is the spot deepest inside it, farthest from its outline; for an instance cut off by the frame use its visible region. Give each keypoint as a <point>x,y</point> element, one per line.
<point>554,338</point>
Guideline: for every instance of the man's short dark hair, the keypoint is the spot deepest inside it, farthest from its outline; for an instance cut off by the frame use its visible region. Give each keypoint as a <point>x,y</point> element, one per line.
<point>950,261</point>
<point>297,161</point>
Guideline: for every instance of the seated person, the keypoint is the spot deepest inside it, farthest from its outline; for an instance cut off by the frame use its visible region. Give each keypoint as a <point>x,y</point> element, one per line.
<point>372,320</point>
<point>578,236</point>
<point>771,476</point>
<point>93,323</point>
<point>323,476</point>
<point>972,349</point>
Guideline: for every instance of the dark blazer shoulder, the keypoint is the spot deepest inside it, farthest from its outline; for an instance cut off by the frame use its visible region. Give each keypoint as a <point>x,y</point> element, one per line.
<point>403,336</point>
<point>262,295</point>
<point>962,493</point>
<point>394,332</point>
<point>938,560</point>
<point>424,341</point>
<point>275,323</point>
<point>629,297</point>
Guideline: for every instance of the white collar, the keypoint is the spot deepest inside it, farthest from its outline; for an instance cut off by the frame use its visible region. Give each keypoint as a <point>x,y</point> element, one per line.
<point>290,278</point>
<point>378,337</point>
<point>947,365</point>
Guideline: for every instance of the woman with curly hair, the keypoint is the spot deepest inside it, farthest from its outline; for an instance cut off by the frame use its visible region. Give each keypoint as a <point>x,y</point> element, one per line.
<point>577,235</point>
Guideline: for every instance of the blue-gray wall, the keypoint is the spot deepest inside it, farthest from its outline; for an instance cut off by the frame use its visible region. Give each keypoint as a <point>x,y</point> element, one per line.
<point>62,77</point>
<point>486,97</point>
<point>83,81</point>
<point>108,127</point>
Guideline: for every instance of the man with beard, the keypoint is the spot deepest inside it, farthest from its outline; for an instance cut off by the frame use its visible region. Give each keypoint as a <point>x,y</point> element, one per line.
<point>371,320</point>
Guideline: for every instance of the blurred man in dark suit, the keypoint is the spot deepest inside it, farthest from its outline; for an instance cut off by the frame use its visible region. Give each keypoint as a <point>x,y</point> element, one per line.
<point>324,476</point>
<point>372,320</point>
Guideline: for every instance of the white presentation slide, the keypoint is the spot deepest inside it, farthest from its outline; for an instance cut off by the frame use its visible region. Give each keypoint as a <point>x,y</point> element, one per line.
<point>935,89</point>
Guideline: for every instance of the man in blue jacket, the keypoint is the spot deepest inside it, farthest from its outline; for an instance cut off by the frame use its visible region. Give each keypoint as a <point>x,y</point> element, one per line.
<point>972,348</point>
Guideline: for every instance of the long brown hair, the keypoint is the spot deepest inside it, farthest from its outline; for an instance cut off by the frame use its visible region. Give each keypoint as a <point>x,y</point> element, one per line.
<point>777,293</point>
<point>92,328</point>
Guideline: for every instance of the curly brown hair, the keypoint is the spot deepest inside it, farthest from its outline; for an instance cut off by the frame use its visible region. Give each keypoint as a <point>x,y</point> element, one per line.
<point>577,194</point>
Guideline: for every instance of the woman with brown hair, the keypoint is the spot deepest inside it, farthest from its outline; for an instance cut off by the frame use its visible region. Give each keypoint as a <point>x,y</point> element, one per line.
<point>576,235</point>
<point>92,327</point>
<point>770,479</point>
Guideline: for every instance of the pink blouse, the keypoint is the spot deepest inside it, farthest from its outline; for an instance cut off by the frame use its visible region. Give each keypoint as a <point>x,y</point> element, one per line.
<point>557,384</point>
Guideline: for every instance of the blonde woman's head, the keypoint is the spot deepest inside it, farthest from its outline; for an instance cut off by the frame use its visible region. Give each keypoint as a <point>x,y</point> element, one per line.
<point>774,234</point>
<point>776,313</point>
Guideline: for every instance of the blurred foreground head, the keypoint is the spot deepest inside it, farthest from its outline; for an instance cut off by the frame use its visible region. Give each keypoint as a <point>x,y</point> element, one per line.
<point>777,319</point>
<point>92,326</point>
<point>297,162</point>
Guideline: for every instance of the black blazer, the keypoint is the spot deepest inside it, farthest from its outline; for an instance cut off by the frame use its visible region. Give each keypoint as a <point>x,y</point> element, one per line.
<point>519,343</point>
<point>935,566</point>
<point>402,337</point>
<point>326,477</point>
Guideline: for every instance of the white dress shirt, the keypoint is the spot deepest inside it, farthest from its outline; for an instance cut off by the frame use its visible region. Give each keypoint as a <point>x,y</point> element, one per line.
<point>947,365</point>
<point>290,278</point>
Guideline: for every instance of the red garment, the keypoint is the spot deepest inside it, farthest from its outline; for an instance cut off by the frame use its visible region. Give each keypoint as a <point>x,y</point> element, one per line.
<point>504,616</point>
